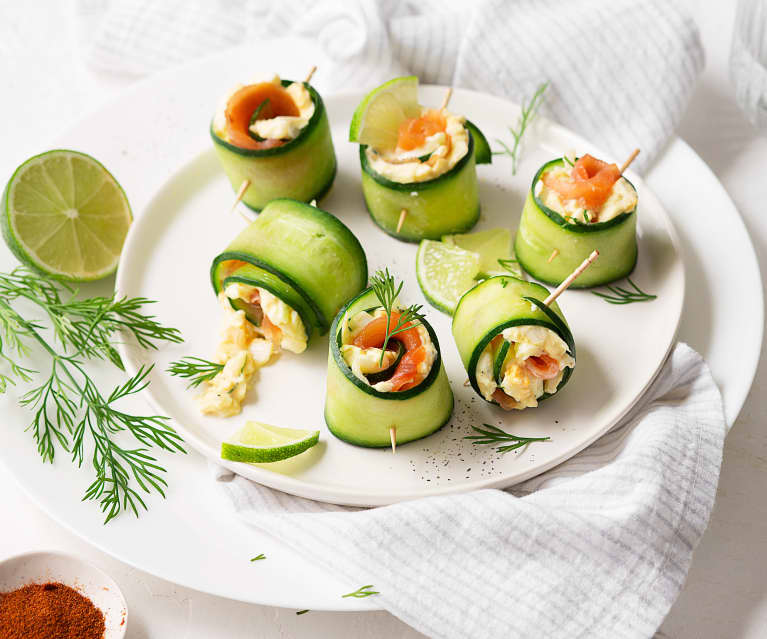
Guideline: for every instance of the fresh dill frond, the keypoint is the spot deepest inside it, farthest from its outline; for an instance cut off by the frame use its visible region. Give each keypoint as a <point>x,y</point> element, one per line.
<point>362,592</point>
<point>196,369</point>
<point>490,434</point>
<point>69,410</point>
<point>619,295</point>
<point>529,109</point>
<point>387,292</point>
<point>258,557</point>
<point>87,326</point>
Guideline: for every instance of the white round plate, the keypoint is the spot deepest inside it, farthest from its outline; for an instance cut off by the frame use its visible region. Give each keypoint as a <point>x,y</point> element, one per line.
<point>167,257</point>
<point>89,581</point>
<point>192,538</point>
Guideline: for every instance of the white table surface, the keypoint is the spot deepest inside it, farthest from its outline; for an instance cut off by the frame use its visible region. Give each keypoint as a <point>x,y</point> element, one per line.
<point>46,88</point>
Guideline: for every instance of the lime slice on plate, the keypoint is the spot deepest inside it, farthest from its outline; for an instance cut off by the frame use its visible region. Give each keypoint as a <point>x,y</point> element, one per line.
<point>377,118</point>
<point>445,273</point>
<point>493,247</point>
<point>257,443</point>
<point>64,214</point>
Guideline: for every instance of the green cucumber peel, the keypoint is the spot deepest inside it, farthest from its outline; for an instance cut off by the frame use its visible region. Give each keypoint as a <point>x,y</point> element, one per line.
<point>386,373</point>
<point>253,119</point>
<point>500,358</point>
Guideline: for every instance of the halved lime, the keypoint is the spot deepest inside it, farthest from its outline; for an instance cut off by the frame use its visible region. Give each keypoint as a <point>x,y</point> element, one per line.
<point>493,247</point>
<point>63,213</point>
<point>445,273</point>
<point>377,118</point>
<point>258,443</point>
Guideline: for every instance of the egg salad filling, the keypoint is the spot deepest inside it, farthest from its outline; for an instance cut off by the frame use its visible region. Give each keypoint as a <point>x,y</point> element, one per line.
<point>280,127</point>
<point>245,347</point>
<point>622,198</point>
<point>426,148</point>
<point>534,364</point>
<point>364,358</point>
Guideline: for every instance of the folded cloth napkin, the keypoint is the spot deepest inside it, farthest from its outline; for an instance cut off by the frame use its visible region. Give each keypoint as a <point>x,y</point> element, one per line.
<point>598,547</point>
<point>619,72</point>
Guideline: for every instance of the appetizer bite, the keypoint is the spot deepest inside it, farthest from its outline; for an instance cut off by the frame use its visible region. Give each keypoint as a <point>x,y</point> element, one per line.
<point>281,280</point>
<point>419,174</point>
<point>273,140</point>
<point>517,350</point>
<point>386,382</point>
<point>573,208</point>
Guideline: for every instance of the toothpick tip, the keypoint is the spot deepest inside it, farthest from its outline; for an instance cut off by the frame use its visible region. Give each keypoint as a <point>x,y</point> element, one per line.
<point>311,73</point>
<point>402,216</point>
<point>393,437</point>
<point>629,160</point>
<point>571,278</point>
<point>446,99</point>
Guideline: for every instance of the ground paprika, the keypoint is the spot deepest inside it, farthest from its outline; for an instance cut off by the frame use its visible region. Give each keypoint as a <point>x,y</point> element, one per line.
<point>49,611</point>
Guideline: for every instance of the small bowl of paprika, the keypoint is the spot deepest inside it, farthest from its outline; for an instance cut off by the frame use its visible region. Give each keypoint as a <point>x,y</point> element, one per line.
<point>52,594</point>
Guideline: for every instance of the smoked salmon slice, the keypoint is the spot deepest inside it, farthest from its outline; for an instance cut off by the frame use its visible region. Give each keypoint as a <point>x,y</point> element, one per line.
<point>543,366</point>
<point>244,102</point>
<point>590,181</point>
<point>406,374</point>
<point>414,131</point>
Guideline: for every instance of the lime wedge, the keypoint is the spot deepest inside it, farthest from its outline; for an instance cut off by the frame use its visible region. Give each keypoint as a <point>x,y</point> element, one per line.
<point>493,247</point>
<point>445,273</point>
<point>377,118</point>
<point>63,213</point>
<point>257,443</point>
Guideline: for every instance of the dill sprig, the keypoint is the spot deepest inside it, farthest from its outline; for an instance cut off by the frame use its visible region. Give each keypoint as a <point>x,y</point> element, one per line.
<point>619,295</point>
<point>492,435</point>
<point>362,592</point>
<point>69,410</point>
<point>87,326</point>
<point>258,557</point>
<point>529,109</point>
<point>197,369</point>
<point>387,292</point>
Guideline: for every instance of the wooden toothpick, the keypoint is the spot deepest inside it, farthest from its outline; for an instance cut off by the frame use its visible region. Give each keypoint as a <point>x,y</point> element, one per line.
<point>402,216</point>
<point>630,159</point>
<point>446,99</point>
<point>240,194</point>
<point>393,437</point>
<point>554,253</point>
<point>310,74</point>
<point>571,278</point>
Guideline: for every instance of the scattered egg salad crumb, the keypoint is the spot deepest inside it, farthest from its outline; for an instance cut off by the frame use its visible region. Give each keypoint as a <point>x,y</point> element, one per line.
<point>533,365</point>
<point>427,147</point>
<point>245,347</point>
<point>364,358</point>
<point>281,127</point>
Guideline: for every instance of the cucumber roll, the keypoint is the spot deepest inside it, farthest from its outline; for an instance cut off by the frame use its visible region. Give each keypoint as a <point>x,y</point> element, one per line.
<point>572,209</point>
<point>298,253</point>
<point>516,350</point>
<point>419,176</point>
<point>375,384</point>
<point>281,281</point>
<point>276,135</point>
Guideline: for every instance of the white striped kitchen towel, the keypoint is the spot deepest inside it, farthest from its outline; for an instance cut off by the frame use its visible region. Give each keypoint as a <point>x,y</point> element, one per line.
<point>597,548</point>
<point>620,72</point>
